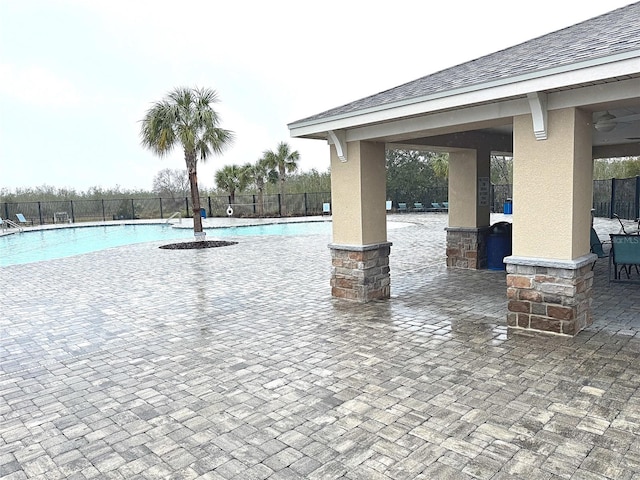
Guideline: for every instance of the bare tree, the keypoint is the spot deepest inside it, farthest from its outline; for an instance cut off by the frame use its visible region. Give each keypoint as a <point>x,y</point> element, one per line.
<point>501,170</point>
<point>173,183</point>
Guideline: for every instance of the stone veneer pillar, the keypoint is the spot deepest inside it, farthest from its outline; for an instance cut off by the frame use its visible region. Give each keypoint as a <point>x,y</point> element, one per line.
<point>469,207</point>
<point>360,272</point>
<point>549,295</point>
<point>467,247</point>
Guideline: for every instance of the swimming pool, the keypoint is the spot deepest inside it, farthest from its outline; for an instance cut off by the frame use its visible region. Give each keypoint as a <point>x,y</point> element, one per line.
<point>39,245</point>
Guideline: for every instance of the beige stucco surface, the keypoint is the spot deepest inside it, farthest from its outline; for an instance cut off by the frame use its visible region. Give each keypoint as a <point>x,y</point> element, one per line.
<point>552,186</point>
<point>358,192</point>
<point>465,168</point>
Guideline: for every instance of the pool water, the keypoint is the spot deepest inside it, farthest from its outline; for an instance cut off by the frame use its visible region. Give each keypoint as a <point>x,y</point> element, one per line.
<point>39,245</point>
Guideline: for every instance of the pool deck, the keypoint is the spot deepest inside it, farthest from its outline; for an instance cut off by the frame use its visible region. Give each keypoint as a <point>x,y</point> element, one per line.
<point>236,363</point>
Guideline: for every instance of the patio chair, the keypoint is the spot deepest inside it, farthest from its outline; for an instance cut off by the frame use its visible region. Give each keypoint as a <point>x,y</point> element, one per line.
<point>445,205</point>
<point>634,229</point>
<point>3,226</point>
<point>625,253</point>
<point>63,217</point>
<point>402,207</point>
<point>326,208</point>
<point>597,246</point>
<point>22,220</point>
<point>436,207</point>
<point>417,206</point>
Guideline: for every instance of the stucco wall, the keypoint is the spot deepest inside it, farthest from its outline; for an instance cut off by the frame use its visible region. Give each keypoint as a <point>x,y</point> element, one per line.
<point>552,186</point>
<point>465,167</point>
<point>358,192</point>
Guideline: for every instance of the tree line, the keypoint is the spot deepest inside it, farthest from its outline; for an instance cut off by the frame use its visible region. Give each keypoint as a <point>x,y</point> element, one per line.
<point>408,173</point>
<point>603,169</point>
<point>626,167</point>
<point>167,183</point>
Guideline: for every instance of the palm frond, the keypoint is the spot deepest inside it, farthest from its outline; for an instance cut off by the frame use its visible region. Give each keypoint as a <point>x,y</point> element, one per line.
<point>185,116</point>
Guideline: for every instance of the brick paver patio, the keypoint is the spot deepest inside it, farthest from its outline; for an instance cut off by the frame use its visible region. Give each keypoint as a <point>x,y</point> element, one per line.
<point>236,363</point>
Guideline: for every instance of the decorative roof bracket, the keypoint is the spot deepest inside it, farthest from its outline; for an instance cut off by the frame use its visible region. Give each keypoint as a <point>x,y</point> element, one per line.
<point>538,106</point>
<point>339,139</point>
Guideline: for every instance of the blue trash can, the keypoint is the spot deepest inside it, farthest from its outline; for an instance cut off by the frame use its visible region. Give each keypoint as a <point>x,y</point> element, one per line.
<point>498,245</point>
<point>508,207</point>
<point>203,213</point>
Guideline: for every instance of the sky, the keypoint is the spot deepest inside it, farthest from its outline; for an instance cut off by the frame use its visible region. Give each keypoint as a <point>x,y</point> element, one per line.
<point>77,76</point>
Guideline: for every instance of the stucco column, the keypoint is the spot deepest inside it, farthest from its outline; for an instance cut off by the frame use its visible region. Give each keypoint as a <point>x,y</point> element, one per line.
<point>469,208</point>
<point>360,251</point>
<point>549,274</point>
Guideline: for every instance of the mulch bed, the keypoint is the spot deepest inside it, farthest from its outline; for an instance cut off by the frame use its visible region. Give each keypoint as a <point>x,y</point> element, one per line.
<point>196,245</point>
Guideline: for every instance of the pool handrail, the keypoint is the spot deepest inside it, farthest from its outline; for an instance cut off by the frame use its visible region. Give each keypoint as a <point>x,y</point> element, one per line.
<point>13,224</point>
<point>174,215</point>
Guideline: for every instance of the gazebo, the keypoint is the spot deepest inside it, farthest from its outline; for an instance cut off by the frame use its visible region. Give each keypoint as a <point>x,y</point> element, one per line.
<point>554,103</point>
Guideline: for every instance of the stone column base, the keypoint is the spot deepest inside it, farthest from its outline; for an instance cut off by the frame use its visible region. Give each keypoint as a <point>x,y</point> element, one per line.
<point>360,273</point>
<point>550,295</point>
<point>467,247</point>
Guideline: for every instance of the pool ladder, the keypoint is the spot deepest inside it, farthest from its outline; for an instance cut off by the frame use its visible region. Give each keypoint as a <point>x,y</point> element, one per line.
<point>174,215</point>
<point>12,224</point>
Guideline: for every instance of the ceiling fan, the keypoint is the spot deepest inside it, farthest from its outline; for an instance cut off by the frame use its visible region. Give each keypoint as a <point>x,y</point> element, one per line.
<point>607,122</point>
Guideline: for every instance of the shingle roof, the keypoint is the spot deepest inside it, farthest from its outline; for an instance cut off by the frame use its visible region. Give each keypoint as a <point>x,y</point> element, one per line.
<point>612,33</point>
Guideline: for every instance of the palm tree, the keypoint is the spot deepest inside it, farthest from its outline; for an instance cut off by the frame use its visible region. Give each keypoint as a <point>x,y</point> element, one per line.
<point>186,117</point>
<point>258,174</point>
<point>232,179</point>
<point>440,164</point>
<point>285,161</point>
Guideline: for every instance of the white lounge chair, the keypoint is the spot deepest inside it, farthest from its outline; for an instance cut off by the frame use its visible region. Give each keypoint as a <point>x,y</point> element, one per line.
<point>21,219</point>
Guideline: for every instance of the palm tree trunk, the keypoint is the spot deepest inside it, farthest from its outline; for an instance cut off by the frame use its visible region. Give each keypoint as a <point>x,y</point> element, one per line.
<point>260,203</point>
<point>191,161</point>
<point>283,204</point>
<point>195,201</point>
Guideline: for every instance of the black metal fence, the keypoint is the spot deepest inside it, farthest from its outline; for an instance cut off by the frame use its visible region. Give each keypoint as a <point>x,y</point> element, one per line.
<point>616,196</point>
<point>499,195</point>
<point>56,211</point>
<point>434,195</point>
<point>620,196</point>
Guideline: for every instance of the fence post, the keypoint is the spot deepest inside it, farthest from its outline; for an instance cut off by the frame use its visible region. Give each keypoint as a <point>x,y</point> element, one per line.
<point>133,210</point>
<point>305,204</point>
<point>73,215</point>
<point>160,199</point>
<point>253,198</point>
<point>209,202</point>
<point>613,198</point>
<point>104,215</point>
<point>40,213</point>
<point>637,199</point>
<point>279,206</point>
<point>186,203</point>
